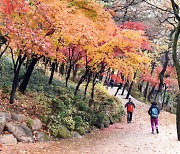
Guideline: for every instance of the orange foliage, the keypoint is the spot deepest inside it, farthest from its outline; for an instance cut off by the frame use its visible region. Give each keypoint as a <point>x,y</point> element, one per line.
<point>74,28</point>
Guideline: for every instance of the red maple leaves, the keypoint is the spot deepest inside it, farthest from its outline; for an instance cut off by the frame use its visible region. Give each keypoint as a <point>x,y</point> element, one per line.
<point>8,6</point>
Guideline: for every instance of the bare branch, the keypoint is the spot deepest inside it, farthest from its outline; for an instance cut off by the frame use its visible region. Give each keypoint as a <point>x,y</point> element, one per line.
<point>164,10</point>
<point>175,9</point>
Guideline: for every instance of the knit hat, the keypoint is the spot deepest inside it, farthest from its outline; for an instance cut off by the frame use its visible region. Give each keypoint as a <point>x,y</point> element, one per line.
<point>154,103</point>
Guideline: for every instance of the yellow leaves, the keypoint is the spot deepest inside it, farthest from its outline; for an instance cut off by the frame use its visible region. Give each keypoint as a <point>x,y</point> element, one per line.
<point>163,47</point>
<point>70,16</point>
<point>128,58</point>
<point>91,9</point>
<point>86,7</point>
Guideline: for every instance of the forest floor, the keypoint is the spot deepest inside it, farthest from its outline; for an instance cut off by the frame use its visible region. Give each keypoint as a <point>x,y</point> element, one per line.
<point>120,138</point>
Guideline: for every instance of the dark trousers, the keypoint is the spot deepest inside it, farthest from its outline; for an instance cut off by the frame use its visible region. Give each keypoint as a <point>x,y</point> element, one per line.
<point>129,116</point>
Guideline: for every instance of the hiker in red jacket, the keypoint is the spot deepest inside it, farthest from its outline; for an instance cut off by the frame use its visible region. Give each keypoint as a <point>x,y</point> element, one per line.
<point>130,107</point>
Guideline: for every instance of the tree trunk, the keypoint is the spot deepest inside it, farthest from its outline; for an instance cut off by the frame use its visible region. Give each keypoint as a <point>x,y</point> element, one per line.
<point>178,117</point>
<point>3,40</point>
<point>52,72</point>
<point>161,74</point>
<point>75,70</point>
<point>17,67</point>
<point>68,73</point>
<point>14,86</point>
<point>45,60</point>
<point>146,90</point>
<point>163,102</point>
<point>140,86</point>
<point>125,85</point>
<point>27,76</point>
<point>119,87</point>
<point>87,84</point>
<point>106,78</point>
<point>56,66</point>
<point>151,92</point>
<point>66,69</point>
<point>81,81</point>
<point>129,91</point>
<point>177,66</point>
<point>71,64</point>
<point>147,85</point>
<point>1,54</point>
<point>130,88</point>
<point>93,87</point>
<point>61,69</point>
<point>167,100</point>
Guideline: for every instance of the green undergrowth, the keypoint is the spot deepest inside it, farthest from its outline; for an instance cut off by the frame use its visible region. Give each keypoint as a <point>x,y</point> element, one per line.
<point>138,95</point>
<point>58,108</point>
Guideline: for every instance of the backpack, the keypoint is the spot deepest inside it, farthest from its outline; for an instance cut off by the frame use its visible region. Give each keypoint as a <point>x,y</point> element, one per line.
<point>154,112</point>
<point>130,107</point>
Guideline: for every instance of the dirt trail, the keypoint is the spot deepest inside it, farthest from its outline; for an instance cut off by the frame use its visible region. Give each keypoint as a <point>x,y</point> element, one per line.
<point>121,138</point>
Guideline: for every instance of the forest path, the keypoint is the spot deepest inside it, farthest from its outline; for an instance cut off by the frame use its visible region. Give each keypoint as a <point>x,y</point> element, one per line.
<point>120,138</point>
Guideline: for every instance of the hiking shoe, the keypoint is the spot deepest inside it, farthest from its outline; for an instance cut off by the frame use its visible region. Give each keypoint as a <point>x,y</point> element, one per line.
<point>157,131</point>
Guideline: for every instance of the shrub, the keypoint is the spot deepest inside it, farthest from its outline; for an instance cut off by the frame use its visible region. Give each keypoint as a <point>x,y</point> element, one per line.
<point>66,99</point>
<point>45,119</point>
<point>90,118</point>
<point>69,122</point>
<point>58,105</point>
<point>100,117</point>
<point>78,121</point>
<point>59,130</point>
<point>82,106</point>
<point>81,130</point>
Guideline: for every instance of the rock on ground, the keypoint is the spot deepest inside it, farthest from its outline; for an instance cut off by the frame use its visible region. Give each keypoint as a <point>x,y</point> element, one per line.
<point>42,137</point>
<point>35,124</point>
<point>26,129</point>
<point>75,135</point>
<point>19,117</point>
<point>19,133</point>
<point>2,123</point>
<point>7,116</point>
<point>8,139</point>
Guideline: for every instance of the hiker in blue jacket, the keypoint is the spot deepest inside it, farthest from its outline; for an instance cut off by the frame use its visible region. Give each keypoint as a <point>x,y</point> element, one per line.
<point>154,112</point>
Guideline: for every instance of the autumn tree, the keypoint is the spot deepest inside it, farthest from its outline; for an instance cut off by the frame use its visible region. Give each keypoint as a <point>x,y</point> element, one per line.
<point>25,36</point>
<point>175,8</point>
